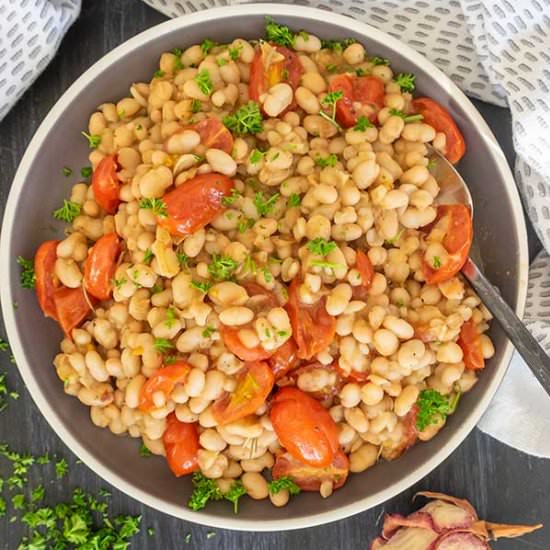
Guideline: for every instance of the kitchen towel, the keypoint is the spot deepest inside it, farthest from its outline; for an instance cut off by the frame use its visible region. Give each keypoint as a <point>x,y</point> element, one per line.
<point>494,50</point>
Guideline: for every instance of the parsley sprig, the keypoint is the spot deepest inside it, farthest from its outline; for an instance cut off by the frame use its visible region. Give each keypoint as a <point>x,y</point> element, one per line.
<point>27,277</point>
<point>68,212</point>
<point>320,246</point>
<point>279,34</point>
<point>158,206</point>
<point>406,81</point>
<point>337,46</point>
<point>330,101</point>
<point>362,124</point>
<point>206,489</point>
<point>432,406</point>
<point>277,485</point>
<point>204,82</point>
<point>246,120</point>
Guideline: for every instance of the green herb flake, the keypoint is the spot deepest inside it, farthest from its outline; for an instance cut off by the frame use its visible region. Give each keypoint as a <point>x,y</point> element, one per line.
<point>158,74</point>
<point>256,156</point>
<point>294,200</point>
<point>27,278</point>
<point>279,34</point>
<point>148,256</point>
<point>195,106</point>
<point>204,491</point>
<point>4,346</point>
<point>210,534</point>
<point>432,407</point>
<point>222,267</point>
<point>235,53</point>
<point>207,45</point>
<point>360,71</point>
<point>330,101</point>
<point>331,68</point>
<point>208,331</point>
<point>221,61</point>
<point>68,212</point>
<point>436,262</point>
<point>204,82</point>
<point>86,171</point>
<point>337,46</point>
<point>171,317</point>
<point>320,246</point>
<point>379,60</point>
<point>325,162</point>
<point>405,81</point>
<point>246,120</point>
<point>362,124</point>
<point>183,259</point>
<point>61,468</point>
<point>265,206</point>
<point>144,451</point>
<point>245,225</point>
<point>432,163</point>
<point>281,483</point>
<point>203,286</point>
<point>268,276</point>
<point>158,206</point>
<point>93,140</point>
<point>151,531</point>
<point>163,345</point>
<point>405,117</point>
<point>67,171</point>
<point>230,199</point>
<point>119,282</point>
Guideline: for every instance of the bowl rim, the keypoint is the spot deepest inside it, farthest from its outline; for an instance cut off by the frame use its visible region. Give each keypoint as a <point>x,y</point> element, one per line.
<point>6,296</point>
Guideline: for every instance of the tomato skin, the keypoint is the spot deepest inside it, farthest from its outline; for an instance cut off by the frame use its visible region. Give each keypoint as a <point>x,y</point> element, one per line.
<point>285,359</point>
<point>457,242</point>
<point>367,90</point>
<point>440,119</point>
<point>309,478</point>
<point>304,427</point>
<point>470,342</point>
<point>106,185</point>
<point>71,308</point>
<point>46,281</point>
<point>262,78</point>
<point>196,203</point>
<point>100,266</point>
<point>181,443</point>
<point>254,383</point>
<point>214,134</point>
<point>164,380</point>
<point>312,327</point>
<point>365,268</point>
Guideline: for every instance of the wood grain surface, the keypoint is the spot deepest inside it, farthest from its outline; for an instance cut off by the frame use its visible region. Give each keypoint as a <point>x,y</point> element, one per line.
<point>504,485</point>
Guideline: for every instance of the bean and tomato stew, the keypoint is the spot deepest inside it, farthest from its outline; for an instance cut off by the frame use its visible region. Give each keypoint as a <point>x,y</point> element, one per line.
<point>258,282</point>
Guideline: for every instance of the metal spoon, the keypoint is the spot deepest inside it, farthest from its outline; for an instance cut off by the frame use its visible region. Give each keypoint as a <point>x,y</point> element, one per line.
<point>453,190</point>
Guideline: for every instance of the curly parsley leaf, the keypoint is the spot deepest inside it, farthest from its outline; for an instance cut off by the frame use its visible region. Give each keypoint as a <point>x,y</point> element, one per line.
<point>379,60</point>
<point>330,100</point>
<point>207,45</point>
<point>162,345</point>
<point>86,171</point>
<point>329,161</point>
<point>204,82</point>
<point>27,277</point>
<point>68,212</point>
<point>203,286</point>
<point>234,494</point>
<point>256,156</point>
<point>204,491</point>
<point>158,206</point>
<point>222,267</point>
<point>337,46</point>
<point>246,120</point>
<point>144,451</point>
<point>93,140</point>
<point>279,34</point>
<point>362,124</point>
<point>285,482</point>
<point>432,407</point>
<point>294,200</point>
<point>406,81</point>
<point>320,246</point>
<point>265,206</point>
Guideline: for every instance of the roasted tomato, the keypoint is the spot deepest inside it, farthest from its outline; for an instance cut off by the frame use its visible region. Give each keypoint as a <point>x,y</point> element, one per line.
<point>456,221</point>
<point>106,185</point>
<point>261,299</point>
<point>196,203</point>
<point>439,118</point>
<point>214,135</point>
<point>46,281</point>
<point>304,427</point>
<point>164,380</point>
<point>470,342</point>
<point>285,359</point>
<point>72,307</point>
<point>365,268</point>
<point>312,327</point>
<point>309,478</point>
<point>394,449</point>
<point>254,383</point>
<point>181,443</point>
<point>100,266</point>
<point>362,96</point>
<point>266,70</point>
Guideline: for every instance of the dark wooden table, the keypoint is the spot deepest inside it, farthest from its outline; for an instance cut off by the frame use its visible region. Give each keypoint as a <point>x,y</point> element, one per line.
<point>504,484</point>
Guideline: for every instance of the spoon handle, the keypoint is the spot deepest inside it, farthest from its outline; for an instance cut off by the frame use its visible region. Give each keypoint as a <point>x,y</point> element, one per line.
<point>527,346</point>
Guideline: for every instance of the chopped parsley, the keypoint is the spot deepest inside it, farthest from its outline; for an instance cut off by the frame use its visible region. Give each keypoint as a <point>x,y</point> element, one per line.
<point>170,359</point>
<point>207,45</point>
<point>61,468</point>
<point>163,345</point>
<point>245,225</point>
<point>68,212</point>
<point>158,74</point>
<point>67,171</point>
<point>256,156</point>
<point>222,267</point>
<point>158,206</point>
<point>203,286</point>
<point>183,259</point>
<point>195,106</point>
<point>379,60</point>
<point>404,116</point>
<point>119,282</point>
<point>337,46</point>
<point>249,265</point>
<point>431,164</point>
<point>360,71</point>
<point>93,140</point>
<point>235,53</point>
<point>268,276</point>
<point>265,206</point>
<point>362,124</point>
<point>86,171</point>
<point>204,82</point>
<point>229,200</point>
<point>144,451</point>
<point>436,262</point>
<point>27,277</point>
<point>177,52</point>
<point>405,81</point>
<point>279,34</point>
<point>323,162</point>
<point>4,346</point>
<point>331,68</point>
<point>277,485</point>
<point>221,61</point>
<point>171,317</point>
<point>432,406</point>
<point>208,331</point>
<point>246,120</point>
<point>206,489</point>
<point>320,246</point>
<point>148,256</point>
<point>294,200</point>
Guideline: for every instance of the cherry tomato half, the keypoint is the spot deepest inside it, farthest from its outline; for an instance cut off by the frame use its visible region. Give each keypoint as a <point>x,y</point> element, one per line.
<point>106,185</point>
<point>196,203</point>
<point>457,241</point>
<point>46,281</point>
<point>439,118</point>
<point>368,91</point>
<point>304,427</point>
<point>71,307</point>
<point>214,135</point>
<point>181,443</point>
<point>100,266</point>
<point>285,359</point>
<point>164,380</point>
<point>470,341</point>
<point>265,73</point>
<point>309,478</point>
<point>254,384</point>
<point>312,327</point>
